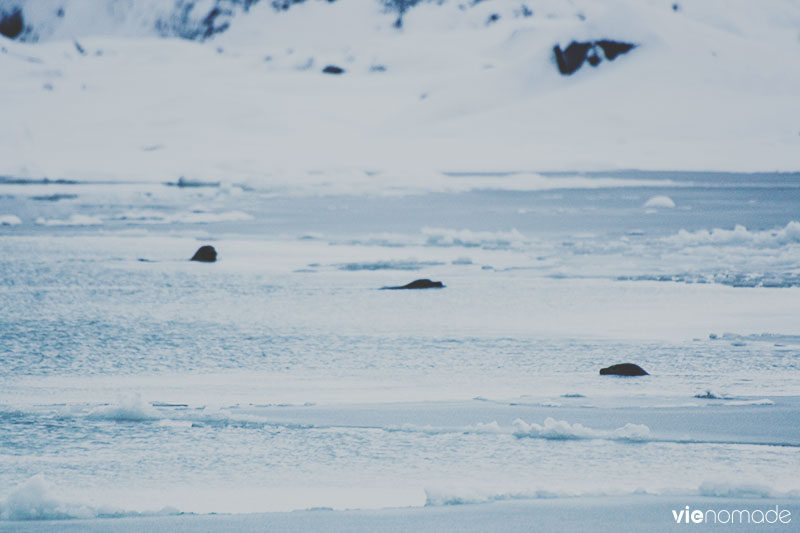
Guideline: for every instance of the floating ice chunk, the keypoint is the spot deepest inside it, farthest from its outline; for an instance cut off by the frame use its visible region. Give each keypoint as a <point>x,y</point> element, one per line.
<point>562,430</point>
<point>440,496</point>
<point>37,499</point>
<point>10,220</point>
<point>490,428</point>
<point>739,236</point>
<point>659,201</point>
<point>130,409</point>
<point>197,215</point>
<point>490,240</point>
<point>761,401</point>
<point>73,220</point>
<point>735,490</point>
<point>34,500</point>
<point>398,264</point>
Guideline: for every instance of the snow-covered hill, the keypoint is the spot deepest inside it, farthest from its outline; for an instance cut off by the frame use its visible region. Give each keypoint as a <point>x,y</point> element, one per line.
<point>237,91</point>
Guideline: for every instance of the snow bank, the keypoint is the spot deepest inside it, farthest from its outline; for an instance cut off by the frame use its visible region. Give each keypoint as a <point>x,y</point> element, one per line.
<point>739,235</point>
<point>562,430</point>
<point>37,499</point>
<point>448,90</point>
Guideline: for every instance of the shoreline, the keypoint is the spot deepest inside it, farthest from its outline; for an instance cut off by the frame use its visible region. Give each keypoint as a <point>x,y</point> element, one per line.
<point>600,514</point>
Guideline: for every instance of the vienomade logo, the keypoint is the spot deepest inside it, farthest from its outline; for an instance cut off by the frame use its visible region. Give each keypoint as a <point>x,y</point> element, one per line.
<point>735,516</point>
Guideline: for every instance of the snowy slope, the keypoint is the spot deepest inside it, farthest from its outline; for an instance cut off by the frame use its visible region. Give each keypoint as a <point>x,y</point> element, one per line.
<point>459,86</point>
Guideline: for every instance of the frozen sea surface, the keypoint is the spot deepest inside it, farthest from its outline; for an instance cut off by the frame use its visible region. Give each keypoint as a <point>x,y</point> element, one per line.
<point>133,381</point>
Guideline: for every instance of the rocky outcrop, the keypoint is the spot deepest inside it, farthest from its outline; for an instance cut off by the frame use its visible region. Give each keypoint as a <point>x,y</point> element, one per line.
<point>333,69</point>
<point>205,254</point>
<point>11,23</point>
<point>624,369</point>
<point>419,284</point>
<point>199,20</point>
<point>571,58</point>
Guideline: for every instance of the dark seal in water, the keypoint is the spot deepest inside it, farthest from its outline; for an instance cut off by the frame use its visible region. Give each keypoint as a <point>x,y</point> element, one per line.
<point>420,284</point>
<point>206,254</point>
<point>624,369</point>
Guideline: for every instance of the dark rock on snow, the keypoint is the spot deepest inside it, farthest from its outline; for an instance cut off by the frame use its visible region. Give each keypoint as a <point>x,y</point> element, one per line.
<point>11,24</point>
<point>420,284</point>
<point>624,369</point>
<point>206,254</point>
<point>571,58</point>
<point>333,69</point>
<point>612,49</point>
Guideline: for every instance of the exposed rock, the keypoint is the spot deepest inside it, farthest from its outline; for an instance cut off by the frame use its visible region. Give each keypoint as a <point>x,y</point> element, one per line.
<point>572,57</point>
<point>11,24</point>
<point>624,369</point>
<point>419,284</point>
<point>206,254</point>
<point>210,27</point>
<point>284,5</point>
<point>612,49</point>
<point>333,69</point>
<point>400,7</point>
<point>199,21</point>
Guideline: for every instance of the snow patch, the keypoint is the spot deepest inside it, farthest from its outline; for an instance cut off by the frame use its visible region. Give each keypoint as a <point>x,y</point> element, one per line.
<point>10,220</point>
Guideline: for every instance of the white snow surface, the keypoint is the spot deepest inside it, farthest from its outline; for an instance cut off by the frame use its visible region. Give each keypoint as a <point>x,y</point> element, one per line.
<point>708,87</point>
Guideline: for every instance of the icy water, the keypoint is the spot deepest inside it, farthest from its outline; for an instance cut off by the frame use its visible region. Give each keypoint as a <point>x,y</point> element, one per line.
<point>281,377</point>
